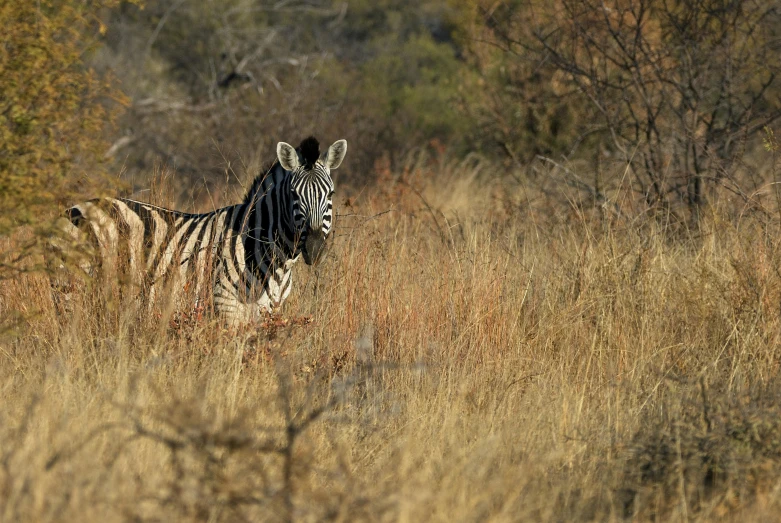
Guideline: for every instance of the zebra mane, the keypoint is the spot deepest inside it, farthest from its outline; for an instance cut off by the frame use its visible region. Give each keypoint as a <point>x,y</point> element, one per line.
<point>266,171</point>
<point>309,149</point>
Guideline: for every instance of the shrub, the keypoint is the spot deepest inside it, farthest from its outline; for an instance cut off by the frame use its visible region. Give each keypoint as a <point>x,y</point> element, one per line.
<point>53,110</point>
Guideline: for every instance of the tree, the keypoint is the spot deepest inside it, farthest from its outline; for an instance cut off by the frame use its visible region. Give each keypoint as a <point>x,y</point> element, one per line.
<point>53,108</point>
<point>676,86</point>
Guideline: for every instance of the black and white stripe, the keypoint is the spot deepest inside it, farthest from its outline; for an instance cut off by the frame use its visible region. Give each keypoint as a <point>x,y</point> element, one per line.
<point>239,256</point>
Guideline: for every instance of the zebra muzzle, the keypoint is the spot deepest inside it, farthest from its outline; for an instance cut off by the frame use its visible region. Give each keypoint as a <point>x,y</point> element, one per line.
<point>313,246</point>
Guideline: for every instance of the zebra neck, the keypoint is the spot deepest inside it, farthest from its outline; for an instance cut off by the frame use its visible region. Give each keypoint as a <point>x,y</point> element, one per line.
<point>270,240</point>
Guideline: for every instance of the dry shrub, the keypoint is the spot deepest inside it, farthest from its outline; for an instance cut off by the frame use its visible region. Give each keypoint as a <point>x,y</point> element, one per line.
<point>708,452</point>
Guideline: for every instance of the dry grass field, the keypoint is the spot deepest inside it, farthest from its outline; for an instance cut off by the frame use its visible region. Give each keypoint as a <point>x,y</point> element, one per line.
<point>464,353</point>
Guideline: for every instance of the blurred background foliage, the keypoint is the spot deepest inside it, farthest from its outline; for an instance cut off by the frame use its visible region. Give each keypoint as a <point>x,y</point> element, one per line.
<point>667,97</point>
<point>218,83</point>
<point>55,112</point>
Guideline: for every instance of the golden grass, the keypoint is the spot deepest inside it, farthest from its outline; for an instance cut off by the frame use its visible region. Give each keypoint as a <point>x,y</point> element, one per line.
<point>517,364</point>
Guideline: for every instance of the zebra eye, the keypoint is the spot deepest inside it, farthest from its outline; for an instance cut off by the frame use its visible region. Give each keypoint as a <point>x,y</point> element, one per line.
<point>330,194</point>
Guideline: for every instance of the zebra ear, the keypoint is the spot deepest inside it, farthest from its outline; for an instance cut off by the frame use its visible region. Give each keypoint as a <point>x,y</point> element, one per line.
<point>336,154</point>
<point>288,157</point>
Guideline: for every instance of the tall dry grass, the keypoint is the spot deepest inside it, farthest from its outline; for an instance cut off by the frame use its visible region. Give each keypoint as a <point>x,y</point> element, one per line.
<point>465,352</point>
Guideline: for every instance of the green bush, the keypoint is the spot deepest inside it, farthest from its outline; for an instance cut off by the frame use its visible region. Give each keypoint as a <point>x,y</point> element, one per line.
<point>53,110</point>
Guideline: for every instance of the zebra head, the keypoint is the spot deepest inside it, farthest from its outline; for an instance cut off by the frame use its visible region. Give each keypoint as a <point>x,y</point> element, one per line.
<point>312,190</point>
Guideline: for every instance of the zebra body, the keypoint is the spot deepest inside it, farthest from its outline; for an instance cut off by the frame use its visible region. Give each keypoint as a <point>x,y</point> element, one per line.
<point>239,256</point>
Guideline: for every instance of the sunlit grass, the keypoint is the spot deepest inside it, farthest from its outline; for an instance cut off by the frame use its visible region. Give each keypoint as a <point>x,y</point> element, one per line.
<point>460,355</point>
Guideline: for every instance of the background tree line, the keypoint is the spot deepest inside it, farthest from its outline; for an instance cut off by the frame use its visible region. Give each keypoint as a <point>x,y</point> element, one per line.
<point>667,96</point>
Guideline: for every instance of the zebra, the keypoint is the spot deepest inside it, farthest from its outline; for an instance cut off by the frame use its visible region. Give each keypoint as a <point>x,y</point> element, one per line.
<point>240,256</point>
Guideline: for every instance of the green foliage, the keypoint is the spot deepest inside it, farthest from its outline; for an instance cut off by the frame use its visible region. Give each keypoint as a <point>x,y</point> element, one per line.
<point>409,74</point>
<point>415,88</point>
<point>215,84</point>
<point>227,80</point>
<point>52,110</point>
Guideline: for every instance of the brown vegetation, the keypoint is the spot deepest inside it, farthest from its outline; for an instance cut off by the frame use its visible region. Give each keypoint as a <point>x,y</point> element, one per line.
<point>507,326</point>
<point>443,363</point>
<point>674,89</point>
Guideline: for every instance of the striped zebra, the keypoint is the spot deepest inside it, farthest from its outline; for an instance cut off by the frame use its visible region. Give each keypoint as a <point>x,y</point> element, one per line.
<point>239,256</point>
